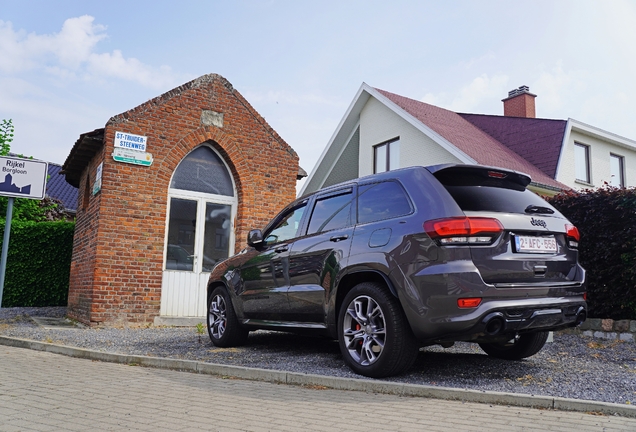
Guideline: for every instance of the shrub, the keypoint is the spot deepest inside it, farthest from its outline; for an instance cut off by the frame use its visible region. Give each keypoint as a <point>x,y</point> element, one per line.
<point>606,219</point>
<point>38,263</point>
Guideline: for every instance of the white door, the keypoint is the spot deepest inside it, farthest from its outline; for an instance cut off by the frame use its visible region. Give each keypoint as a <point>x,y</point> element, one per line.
<point>199,232</point>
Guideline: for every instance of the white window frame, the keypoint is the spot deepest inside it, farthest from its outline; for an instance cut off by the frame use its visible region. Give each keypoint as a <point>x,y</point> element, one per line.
<point>579,164</point>
<point>202,198</point>
<point>386,154</point>
<point>617,179</point>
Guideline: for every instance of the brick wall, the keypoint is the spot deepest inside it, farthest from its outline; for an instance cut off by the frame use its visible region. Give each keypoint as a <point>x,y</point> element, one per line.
<point>117,264</point>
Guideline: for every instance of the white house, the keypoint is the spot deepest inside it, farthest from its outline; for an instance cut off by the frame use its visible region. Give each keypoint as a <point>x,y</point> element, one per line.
<point>382,131</point>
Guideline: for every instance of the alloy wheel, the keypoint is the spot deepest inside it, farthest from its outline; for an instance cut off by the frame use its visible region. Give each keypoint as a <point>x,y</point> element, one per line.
<point>217,317</point>
<point>364,330</point>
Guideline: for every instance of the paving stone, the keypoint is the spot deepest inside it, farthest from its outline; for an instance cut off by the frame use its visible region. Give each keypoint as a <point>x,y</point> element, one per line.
<point>103,396</point>
<point>607,325</point>
<point>621,325</point>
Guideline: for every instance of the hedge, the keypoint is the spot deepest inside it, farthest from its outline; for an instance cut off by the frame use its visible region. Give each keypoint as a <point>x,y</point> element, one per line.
<point>606,219</point>
<point>38,263</point>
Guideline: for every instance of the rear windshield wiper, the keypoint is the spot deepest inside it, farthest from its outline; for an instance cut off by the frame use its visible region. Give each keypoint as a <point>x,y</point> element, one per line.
<point>539,209</point>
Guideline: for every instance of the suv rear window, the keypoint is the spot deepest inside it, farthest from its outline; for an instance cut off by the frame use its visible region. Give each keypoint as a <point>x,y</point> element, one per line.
<point>496,199</point>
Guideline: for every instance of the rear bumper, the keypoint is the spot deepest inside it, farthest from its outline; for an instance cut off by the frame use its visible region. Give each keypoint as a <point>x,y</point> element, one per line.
<point>518,320</point>
<point>501,319</point>
<point>430,303</point>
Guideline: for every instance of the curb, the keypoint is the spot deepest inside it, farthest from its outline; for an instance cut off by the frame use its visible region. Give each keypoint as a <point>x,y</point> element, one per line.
<point>354,384</point>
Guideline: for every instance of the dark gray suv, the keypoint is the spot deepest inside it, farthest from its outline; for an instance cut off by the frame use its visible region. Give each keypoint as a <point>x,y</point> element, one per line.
<point>407,258</point>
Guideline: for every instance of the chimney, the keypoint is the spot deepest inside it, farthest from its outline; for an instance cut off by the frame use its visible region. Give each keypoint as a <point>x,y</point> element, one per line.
<point>519,103</point>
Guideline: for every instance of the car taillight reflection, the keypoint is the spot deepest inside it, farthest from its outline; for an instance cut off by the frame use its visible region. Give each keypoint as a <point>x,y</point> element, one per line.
<point>573,235</point>
<point>463,230</point>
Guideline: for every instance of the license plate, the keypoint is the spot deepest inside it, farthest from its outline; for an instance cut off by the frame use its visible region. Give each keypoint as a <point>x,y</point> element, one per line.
<point>535,244</point>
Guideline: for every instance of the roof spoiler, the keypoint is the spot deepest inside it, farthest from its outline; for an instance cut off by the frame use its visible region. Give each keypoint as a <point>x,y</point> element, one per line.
<point>453,173</point>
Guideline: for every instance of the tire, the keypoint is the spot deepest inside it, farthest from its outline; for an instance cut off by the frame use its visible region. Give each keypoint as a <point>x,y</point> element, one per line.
<point>223,326</point>
<point>374,337</point>
<point>523,346</point>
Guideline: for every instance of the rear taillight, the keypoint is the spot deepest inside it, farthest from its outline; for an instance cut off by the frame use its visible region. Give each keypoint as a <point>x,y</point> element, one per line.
<point>573,236</point>
<point>463,230</point>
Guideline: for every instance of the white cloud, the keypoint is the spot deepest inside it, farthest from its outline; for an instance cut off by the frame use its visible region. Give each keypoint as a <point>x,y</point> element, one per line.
<point>71,53</point>
<point>434,99</point>
<point>130,69</point>
<point>553,88</point>
<point>481,91</point>
<point>70,47</point>
<point>75,43</point>
<point>483,88</point>
<point>471,63</point>
<point>14,56</point>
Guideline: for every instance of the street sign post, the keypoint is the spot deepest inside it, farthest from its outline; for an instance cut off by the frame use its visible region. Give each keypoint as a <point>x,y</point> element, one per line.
<point>23,178</point>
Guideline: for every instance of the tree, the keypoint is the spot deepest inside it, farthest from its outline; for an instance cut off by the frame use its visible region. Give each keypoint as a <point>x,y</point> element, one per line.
<point>6,136</point>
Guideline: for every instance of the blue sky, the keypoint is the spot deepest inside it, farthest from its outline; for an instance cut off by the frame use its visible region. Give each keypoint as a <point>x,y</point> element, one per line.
<point>66,67</point>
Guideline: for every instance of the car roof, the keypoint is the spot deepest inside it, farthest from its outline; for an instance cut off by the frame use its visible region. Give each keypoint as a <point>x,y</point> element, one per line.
<point>519,177</point>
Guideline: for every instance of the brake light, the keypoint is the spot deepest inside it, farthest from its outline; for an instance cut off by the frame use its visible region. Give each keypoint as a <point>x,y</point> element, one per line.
<point>573,235</point>
<point>463,230</point>
<point>498,175</point>
<point>472,302</point>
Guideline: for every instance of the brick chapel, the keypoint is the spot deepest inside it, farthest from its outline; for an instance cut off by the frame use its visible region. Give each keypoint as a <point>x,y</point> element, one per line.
<point>166,190</point>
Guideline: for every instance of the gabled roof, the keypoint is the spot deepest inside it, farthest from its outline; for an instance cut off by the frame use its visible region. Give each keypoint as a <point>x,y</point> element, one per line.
<point>468,138</point>
<point>89,143</point>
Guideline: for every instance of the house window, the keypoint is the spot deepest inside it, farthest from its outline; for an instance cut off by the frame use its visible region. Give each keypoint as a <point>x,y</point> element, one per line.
<point>617,170</point>
<point>386,156</point>
<point>582,162</point>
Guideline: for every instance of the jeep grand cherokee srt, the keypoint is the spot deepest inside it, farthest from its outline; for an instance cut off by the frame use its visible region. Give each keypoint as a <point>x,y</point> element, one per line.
<point>394,261</point>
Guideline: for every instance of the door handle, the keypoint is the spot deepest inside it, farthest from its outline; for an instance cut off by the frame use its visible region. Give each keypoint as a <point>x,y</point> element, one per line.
<point>281,249</point>
<point>337,238</point>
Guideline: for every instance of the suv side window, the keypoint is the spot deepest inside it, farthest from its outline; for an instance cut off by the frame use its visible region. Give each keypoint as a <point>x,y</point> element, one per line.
<point>288,226</point>
<point>379,201</point>
<point>331,212</point>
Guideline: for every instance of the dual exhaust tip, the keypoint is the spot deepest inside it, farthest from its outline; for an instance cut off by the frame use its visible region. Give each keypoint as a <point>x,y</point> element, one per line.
<point>495,323</point>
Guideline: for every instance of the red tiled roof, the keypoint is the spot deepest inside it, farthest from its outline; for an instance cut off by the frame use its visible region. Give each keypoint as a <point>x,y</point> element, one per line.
<point>471,140</point>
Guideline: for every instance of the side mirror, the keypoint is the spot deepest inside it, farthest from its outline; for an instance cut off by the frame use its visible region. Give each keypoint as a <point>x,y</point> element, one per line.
<point>255,238</point>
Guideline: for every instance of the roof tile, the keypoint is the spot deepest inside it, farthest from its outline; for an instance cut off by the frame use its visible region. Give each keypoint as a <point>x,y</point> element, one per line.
<point>538,141</point>
<point>470,139</point>
<point>57,187</point>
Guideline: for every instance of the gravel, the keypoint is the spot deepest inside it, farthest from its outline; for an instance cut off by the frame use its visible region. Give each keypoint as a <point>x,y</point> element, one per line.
<point>572,366</point>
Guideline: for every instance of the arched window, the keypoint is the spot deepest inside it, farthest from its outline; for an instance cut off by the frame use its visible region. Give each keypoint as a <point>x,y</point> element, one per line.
<point>201,211</point>
<point>203,171</point>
